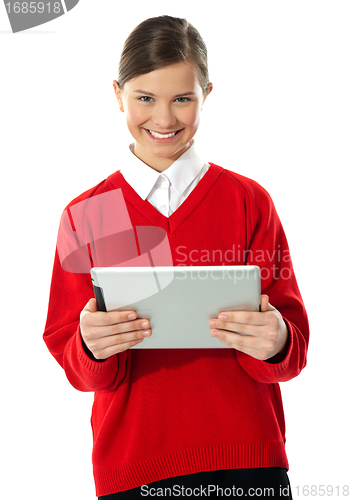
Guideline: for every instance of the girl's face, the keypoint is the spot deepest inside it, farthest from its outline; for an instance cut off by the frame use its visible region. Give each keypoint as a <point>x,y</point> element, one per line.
<point>162,112</point>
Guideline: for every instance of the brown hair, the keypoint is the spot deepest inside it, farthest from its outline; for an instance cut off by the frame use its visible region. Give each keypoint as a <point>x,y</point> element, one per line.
<point>158,42</point>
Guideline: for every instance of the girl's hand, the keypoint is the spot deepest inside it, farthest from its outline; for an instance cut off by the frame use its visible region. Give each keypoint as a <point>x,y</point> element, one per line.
<point>265,333</point>
<point>108,333</point>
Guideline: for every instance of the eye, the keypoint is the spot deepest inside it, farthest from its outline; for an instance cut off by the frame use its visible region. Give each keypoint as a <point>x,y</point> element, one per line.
<point>182,99</point>
<point>145,98</point>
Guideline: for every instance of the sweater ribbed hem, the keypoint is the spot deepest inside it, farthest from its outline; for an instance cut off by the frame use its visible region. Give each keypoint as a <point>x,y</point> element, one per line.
<point>218,457</point>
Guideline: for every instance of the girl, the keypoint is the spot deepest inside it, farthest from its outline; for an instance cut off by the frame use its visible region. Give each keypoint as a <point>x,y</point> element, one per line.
<point>177,422</point>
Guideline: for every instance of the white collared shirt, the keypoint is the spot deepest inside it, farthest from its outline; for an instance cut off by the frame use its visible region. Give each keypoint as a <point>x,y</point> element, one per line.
<point>165,190</point>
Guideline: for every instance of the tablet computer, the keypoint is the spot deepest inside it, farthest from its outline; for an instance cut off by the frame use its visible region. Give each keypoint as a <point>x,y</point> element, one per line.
<point>179,301</point>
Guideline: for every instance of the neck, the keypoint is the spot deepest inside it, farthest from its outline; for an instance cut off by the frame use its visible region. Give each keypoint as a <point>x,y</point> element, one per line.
<point>158,163</point>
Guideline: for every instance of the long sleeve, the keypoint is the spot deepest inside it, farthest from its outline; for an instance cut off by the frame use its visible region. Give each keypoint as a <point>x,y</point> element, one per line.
<point>268,249</point>
<point>140,394</point>
<point>69,293</point>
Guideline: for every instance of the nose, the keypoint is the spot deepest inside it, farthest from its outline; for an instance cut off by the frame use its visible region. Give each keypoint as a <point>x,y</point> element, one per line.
<point>164,117</point>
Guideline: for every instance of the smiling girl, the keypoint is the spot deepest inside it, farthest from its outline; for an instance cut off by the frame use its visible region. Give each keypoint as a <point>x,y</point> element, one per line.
<point>166,421</point>
<point>163,111</point>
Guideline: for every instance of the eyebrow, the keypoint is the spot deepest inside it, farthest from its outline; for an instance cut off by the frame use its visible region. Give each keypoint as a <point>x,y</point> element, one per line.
<point>144,92</point>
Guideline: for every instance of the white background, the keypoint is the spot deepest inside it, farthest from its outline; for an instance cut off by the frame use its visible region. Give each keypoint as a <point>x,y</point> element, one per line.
<point>279,113</point>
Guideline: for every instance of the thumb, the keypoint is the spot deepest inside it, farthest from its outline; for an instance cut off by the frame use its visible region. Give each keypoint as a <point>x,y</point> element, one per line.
<point>91,306</point>
<point>265,305</point>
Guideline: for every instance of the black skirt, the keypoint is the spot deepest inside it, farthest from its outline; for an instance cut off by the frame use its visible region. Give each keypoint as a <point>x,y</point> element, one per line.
<point>265,482</point>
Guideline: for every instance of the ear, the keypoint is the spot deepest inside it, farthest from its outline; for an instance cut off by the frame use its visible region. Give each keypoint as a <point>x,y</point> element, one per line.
<point>209,90</point>
<point>118,95</point>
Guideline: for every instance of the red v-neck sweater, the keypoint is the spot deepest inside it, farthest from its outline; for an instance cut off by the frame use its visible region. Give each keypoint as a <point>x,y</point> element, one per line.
<point>162,413</point>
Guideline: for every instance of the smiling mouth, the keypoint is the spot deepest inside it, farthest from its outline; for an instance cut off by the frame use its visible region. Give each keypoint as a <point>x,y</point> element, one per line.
<point>157,135</point>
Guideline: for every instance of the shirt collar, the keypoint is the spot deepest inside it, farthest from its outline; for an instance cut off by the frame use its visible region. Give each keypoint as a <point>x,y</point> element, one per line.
<point>181,173</point>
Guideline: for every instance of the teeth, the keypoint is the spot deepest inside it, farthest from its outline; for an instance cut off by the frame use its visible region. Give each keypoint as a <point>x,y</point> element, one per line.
<point>161,136</point>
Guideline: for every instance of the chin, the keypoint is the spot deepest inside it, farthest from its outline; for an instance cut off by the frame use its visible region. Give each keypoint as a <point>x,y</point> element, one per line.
<point>160,154</point>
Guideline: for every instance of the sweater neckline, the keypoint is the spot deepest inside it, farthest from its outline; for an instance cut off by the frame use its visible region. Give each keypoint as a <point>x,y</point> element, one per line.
<point>171,223</point>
